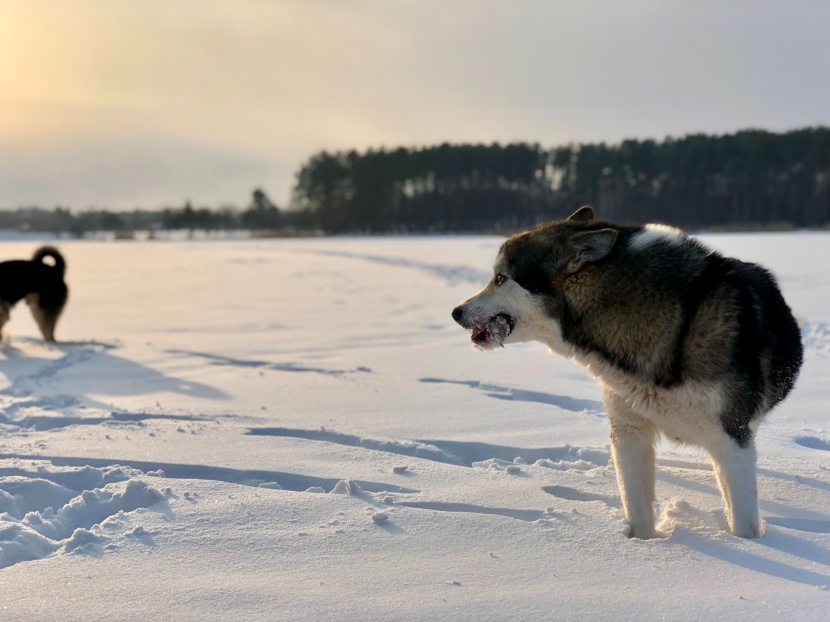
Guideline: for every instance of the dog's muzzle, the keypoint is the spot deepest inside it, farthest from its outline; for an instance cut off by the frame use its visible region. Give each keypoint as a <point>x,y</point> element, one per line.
<point>487,334</point>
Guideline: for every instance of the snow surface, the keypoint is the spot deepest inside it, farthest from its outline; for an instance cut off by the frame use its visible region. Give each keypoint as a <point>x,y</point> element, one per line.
<point>296,429</point>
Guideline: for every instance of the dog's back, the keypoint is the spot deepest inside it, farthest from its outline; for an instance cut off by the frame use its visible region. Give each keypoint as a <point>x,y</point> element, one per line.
<point>18,278</point>
<point>683,312</point>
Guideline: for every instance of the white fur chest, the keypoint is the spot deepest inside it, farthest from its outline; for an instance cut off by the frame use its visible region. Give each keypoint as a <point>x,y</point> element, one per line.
<point>688,413</point>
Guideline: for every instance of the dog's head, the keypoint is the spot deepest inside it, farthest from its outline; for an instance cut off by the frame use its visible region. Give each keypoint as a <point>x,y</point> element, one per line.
<point>525,300</point>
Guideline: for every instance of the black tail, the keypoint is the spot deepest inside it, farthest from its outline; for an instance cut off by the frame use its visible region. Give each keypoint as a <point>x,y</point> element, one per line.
<point>54,253</point>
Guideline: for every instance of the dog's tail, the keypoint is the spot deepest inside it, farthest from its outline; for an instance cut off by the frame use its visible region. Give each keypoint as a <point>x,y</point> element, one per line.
<point>54,253</point>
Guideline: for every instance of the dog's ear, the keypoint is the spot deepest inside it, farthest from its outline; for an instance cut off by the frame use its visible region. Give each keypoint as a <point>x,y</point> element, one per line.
<point>583,214</point>
<point>590,246</point>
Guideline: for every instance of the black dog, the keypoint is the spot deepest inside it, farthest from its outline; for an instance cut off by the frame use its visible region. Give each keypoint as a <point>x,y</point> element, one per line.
<point>40,284</point>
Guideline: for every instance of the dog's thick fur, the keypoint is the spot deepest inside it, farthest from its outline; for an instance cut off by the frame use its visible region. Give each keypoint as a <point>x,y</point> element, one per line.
<point>41,284</point>
<point>684,342</point>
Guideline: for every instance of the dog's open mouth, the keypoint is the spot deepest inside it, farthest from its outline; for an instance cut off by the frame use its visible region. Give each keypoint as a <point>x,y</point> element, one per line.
<point>494,332</point>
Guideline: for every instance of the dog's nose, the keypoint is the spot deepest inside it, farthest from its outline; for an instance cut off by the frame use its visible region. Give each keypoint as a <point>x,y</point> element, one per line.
<point>456,313</point>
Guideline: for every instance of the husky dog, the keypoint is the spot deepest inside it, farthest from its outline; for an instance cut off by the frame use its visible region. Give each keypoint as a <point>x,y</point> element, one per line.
<point>684,342</point>
<point>42,286</point>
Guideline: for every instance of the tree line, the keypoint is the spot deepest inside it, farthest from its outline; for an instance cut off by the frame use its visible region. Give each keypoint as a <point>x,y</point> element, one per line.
<point>260,215</point>
<point>751,178</point>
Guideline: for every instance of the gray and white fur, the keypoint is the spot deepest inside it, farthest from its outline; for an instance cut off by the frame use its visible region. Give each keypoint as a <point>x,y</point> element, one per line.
<point>683,341</point>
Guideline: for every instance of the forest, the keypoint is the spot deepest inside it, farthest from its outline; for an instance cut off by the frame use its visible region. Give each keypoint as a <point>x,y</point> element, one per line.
<point>749,179</point>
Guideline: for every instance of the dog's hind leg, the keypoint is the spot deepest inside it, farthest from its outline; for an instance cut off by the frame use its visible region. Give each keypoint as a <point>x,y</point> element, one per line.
<point>735,470</point>
<point>46,322</point>
<point>632,448</point>
<point>4,316</point>
<point>45,318</point>
<point>47,326</point>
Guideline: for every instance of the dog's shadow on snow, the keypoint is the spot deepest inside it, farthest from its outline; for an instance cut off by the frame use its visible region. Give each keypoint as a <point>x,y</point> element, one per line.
<point>760,563</point>
<point>747,554</point>
<point>779,536</point>
<point>94,369</point>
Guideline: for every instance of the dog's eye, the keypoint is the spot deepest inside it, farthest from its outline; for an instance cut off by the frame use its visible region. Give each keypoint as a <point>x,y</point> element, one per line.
<point>500,278</point>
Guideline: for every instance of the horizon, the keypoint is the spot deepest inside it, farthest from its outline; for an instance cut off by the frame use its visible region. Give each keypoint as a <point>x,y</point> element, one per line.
<point>244,204</point>
<point>229,97</point>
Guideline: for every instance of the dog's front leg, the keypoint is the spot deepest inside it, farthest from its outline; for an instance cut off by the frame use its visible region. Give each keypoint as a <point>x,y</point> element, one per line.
<point>632,448</point>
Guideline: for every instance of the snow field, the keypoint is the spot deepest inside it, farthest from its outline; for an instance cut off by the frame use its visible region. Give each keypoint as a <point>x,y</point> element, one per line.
<point>295,429</point>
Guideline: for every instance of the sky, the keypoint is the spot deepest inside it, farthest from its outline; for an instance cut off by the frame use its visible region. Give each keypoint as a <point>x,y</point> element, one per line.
<point>124,103</point>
